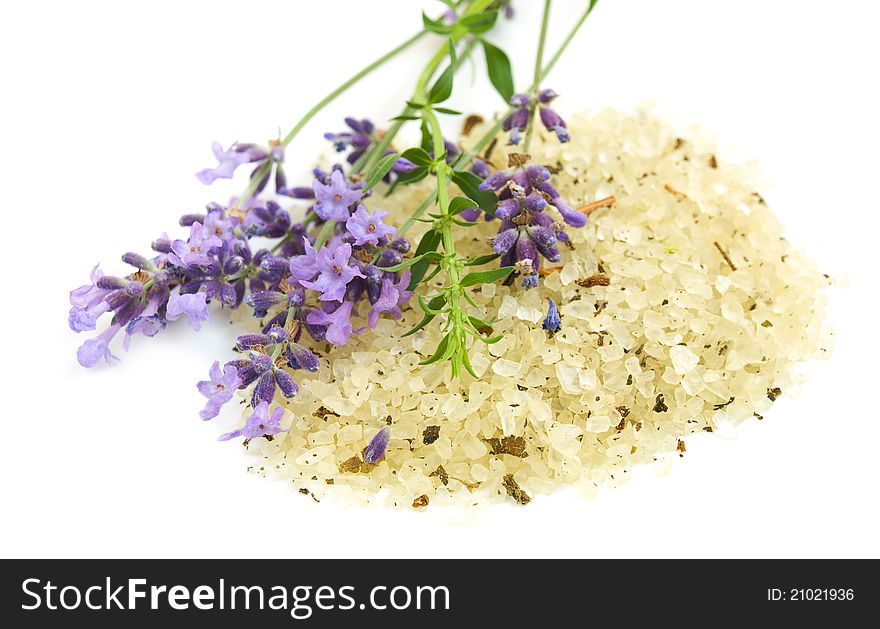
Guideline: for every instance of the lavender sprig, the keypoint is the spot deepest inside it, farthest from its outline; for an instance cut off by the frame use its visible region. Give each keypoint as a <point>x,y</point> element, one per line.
<point>342,263</point>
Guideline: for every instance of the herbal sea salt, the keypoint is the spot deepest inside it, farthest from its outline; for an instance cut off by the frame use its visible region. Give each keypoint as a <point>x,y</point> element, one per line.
<point>683,339</point>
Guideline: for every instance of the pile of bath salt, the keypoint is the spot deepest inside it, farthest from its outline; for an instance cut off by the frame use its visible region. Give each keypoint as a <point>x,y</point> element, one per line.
<point>684,310</point>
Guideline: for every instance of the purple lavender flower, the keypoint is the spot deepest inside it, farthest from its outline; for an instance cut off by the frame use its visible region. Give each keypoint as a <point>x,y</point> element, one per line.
<point>339,328</point>
<point>334,273</point>
<point>193,305</point>
<point>269,220</point>
<point>333,199</point>
<point>368,228</point>
<point>391,298</point>
<point>358,138</point>
<point>305,267</point>
<point>97,348</point>
<point>403,165</point>
<point>259,424</point>
<point>480,168</point>
<point>552,121</point>
<point>229,160</point>
<point>219,389</point>
<point>552,321</point>
<point>196,249</point>
<point>219,223</point>
<point>147,323</point>
<point>88,303</point>
<point>299,357</point>
<point>505,240</point>
<point>261,369</point>
<point>375,450</point>
<point>518,119</point>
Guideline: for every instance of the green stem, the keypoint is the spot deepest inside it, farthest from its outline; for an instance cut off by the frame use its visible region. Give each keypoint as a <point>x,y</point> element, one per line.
<point>465,158</point>
<point>375,153</point>
<point>266,167</point>
<point>567,40</point>
<point>369,159</point>
<point>287,321</point>
<point>324,234</point>
<point>450,263</point>
<point>536,83</point>
<point>354,79</point>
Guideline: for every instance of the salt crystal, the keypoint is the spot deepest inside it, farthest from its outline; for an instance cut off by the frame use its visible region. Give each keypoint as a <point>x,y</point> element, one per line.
<point>683,359</point>
<point>506,368</point>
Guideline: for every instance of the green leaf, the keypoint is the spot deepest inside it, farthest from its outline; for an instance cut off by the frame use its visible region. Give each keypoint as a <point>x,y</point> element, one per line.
<point>498,67</point>
<point>429,242</point>
<point>414,105</point>
<point>427,308</point>
<point>462,223</point>
<point>477,323</point>
<point>405,117</point>
<point>479,22</point>
<point>469,184</point>
<point>469,299</point>
<point>486,277</point>
<point>430,276</point>
<point>418,156</point>
<point>380,170</point>
<point>440,352</point>
<point>427,141</point>
<point>406,178</point>
<point>430,256</point>
<point>490,341</point>
<point>460,204</point>
<point>435,26</point>
<point>442,89</point>
<point>435,304</point>
<point>466,361</point>
<point>446,110</point>
<point>481,260</point>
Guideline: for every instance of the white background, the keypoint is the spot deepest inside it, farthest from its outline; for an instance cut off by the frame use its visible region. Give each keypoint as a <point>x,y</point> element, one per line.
<point>107,110</point>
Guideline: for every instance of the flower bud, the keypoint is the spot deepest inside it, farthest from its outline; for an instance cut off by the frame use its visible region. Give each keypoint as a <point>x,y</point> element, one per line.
<point>505,240</point>
<point>289,387</point>
<point>298,357</point>
<point>138,261</point>
<point>401,244</point>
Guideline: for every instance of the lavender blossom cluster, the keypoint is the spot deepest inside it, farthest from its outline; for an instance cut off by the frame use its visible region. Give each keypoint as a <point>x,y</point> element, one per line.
<point>518,120</point>
<point>319,277</point>
<point>297,288</point>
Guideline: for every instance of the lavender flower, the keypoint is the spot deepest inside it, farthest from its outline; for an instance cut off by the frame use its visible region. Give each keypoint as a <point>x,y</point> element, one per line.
<point>518,119</point>
<point>148,323</point>
<point>259,424</point>
<point>368,228</point>
<point>552,321</point>
<point>305,267</point>
<point>334,198</point>
<point>219,389</point>
<point>196,249</point>
<point>338,322</point>
<point>358,138</point>
<point>527,232</point>
<point>551,120</point>
<point>334,273</point>
<point>375,450</point>
<point>88,303</point>
<point>193,305</point>
<point>97,348</point>
<point>229,160</point>
<point>391,298</point>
